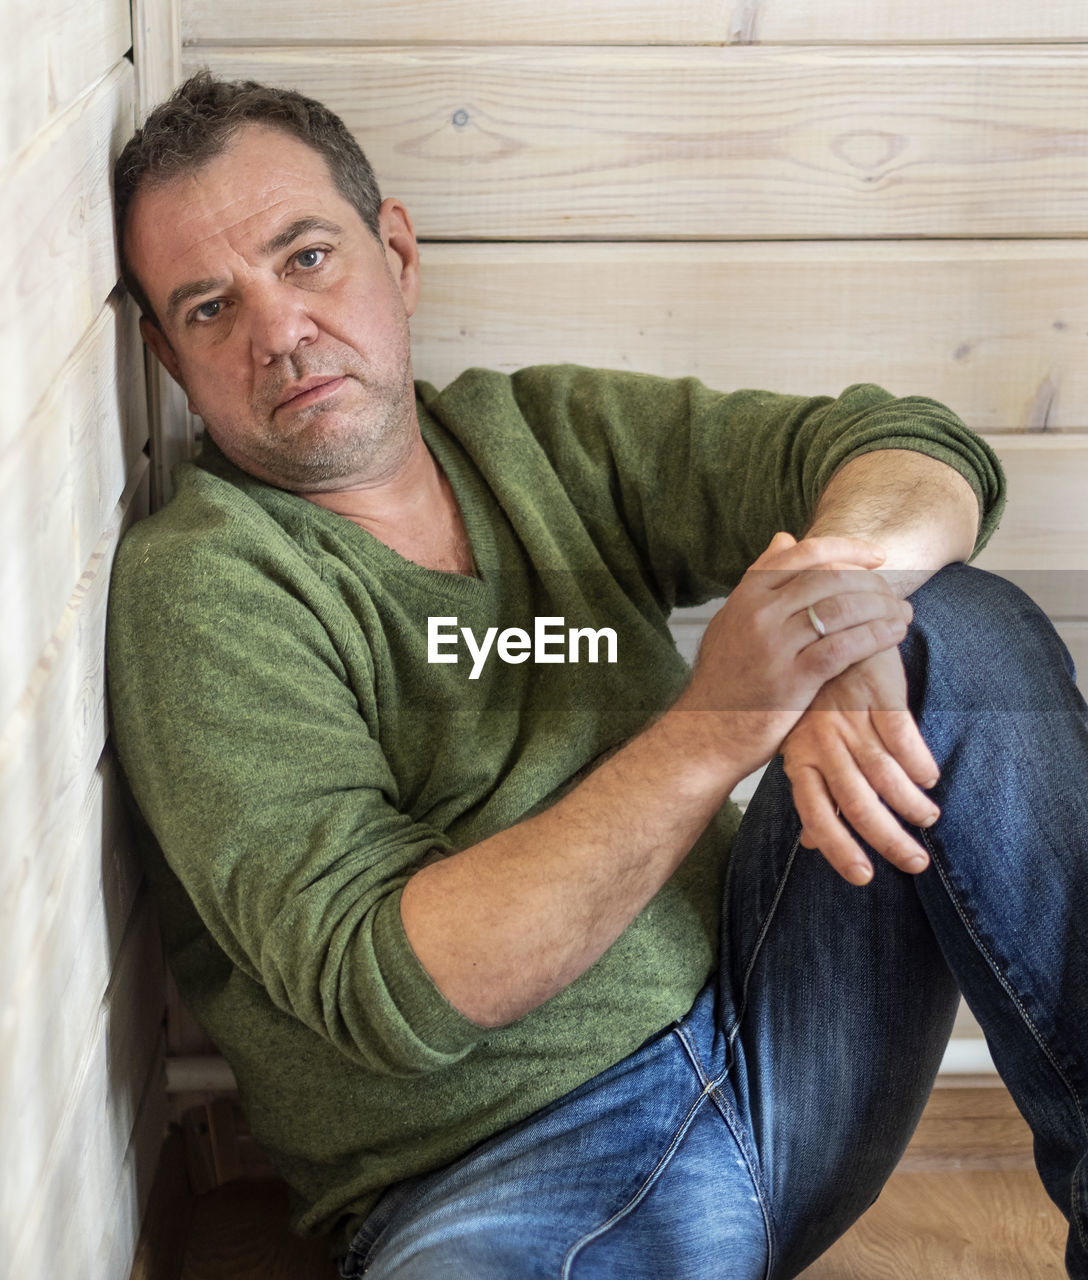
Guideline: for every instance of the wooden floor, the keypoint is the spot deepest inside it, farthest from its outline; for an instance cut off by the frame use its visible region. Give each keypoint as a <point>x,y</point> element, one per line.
<point>965,1204</point>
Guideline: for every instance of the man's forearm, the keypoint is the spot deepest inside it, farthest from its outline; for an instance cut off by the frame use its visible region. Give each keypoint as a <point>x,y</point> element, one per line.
<point>920,511</point>
<point>506,924</point>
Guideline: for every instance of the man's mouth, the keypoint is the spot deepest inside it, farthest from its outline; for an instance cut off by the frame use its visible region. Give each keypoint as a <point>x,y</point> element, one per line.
<point>310,391</point>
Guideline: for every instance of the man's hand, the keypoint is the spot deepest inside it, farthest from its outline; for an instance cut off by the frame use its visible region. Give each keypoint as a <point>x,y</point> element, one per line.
<point>857,754</point>
<point>763,659</point>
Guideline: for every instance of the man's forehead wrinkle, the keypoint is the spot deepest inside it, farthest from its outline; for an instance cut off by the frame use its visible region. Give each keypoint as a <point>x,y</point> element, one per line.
<point>227,245</point>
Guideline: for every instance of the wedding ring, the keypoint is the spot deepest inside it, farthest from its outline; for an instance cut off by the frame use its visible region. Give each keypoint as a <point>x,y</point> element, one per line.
<point>817,625</point>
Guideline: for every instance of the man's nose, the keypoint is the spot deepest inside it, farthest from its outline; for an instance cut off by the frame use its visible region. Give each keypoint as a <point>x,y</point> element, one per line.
<point>280,322</point>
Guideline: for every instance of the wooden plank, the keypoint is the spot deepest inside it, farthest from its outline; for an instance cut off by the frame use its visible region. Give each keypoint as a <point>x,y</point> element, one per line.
<point>717,143</point>
<point>76,1185</point>
<point>984,1225</point>
<point>89,893</point>
<point>156,39</point>
<point>55,198</point>
<point>1042,544</point>
<point>56,983</point>
<point>121,1223</point>
<point>639,22</point>
<point>995,329</point>
<point>57,51</point>
<point>174,430</point>
<point>62,477</point>
<point>971,1128</point>
<point>51,744</point>
<point>834,21</point>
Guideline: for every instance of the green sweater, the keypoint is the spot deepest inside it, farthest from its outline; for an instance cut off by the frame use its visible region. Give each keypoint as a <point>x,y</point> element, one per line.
<point>296,756</point>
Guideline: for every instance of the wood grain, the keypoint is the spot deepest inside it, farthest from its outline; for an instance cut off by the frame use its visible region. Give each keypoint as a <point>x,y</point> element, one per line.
<point>57,50</point>
<point>55,198</point>
<point>62,476</point>
<point>998,330</point>
<point>58,966</point>
<point>53,741</point>
<point>1042,544</point>
<point>156,39</point>
<point>66,1182</point>
<point>120,1223</point>
<point>626,21</point>
<point>970,1128</point>
<point>955,1226</point>
<point>701,142</point>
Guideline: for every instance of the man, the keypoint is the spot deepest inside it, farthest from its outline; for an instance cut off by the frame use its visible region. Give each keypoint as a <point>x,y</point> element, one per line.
<point>439,821</point>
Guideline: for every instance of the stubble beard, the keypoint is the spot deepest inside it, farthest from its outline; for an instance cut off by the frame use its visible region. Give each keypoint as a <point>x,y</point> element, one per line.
<point>314,456</point>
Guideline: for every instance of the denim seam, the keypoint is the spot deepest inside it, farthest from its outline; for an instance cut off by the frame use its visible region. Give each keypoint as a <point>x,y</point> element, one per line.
<point>640,1194</point>
<point>733,1121</point>
<point>736,1128</point>
<point>1037,1035</point>
<point>691,1049</point>
<point>763,930</point>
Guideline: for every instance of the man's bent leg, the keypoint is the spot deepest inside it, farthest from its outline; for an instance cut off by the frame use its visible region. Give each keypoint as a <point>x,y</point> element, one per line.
<point>1007,894</point>
<point>842,996</point>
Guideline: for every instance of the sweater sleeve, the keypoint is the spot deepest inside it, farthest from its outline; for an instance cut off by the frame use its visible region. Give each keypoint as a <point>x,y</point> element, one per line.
<point>258,770</point>
<point>703,479</point>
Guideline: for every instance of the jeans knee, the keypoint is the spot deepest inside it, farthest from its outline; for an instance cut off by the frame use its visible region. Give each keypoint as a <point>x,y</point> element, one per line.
<point>979,642</point>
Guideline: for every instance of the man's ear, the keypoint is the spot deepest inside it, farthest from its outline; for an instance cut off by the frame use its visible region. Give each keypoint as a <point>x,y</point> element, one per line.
<point>156,340</point>
<point>401,250</point>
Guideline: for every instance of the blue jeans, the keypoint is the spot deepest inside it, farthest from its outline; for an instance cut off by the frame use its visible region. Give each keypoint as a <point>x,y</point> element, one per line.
<point>744,1140</point>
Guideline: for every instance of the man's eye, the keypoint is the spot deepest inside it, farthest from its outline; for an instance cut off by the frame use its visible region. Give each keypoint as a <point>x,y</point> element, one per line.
<point>307,259</point>
<point>208,310</point>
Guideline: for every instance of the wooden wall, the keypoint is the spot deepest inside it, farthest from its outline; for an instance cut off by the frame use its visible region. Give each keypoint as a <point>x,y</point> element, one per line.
<point>81,999</point>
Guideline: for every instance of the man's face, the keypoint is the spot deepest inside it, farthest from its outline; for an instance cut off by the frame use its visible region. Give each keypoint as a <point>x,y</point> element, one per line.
<point>283,318</point>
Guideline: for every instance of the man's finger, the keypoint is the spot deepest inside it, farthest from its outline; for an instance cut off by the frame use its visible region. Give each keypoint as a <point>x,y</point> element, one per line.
<point>900,734</point>
<point>893,787</point>
<point>822,829</point>
<point>830,614</point>
<point>833,654</point>
<point>864,810</point>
